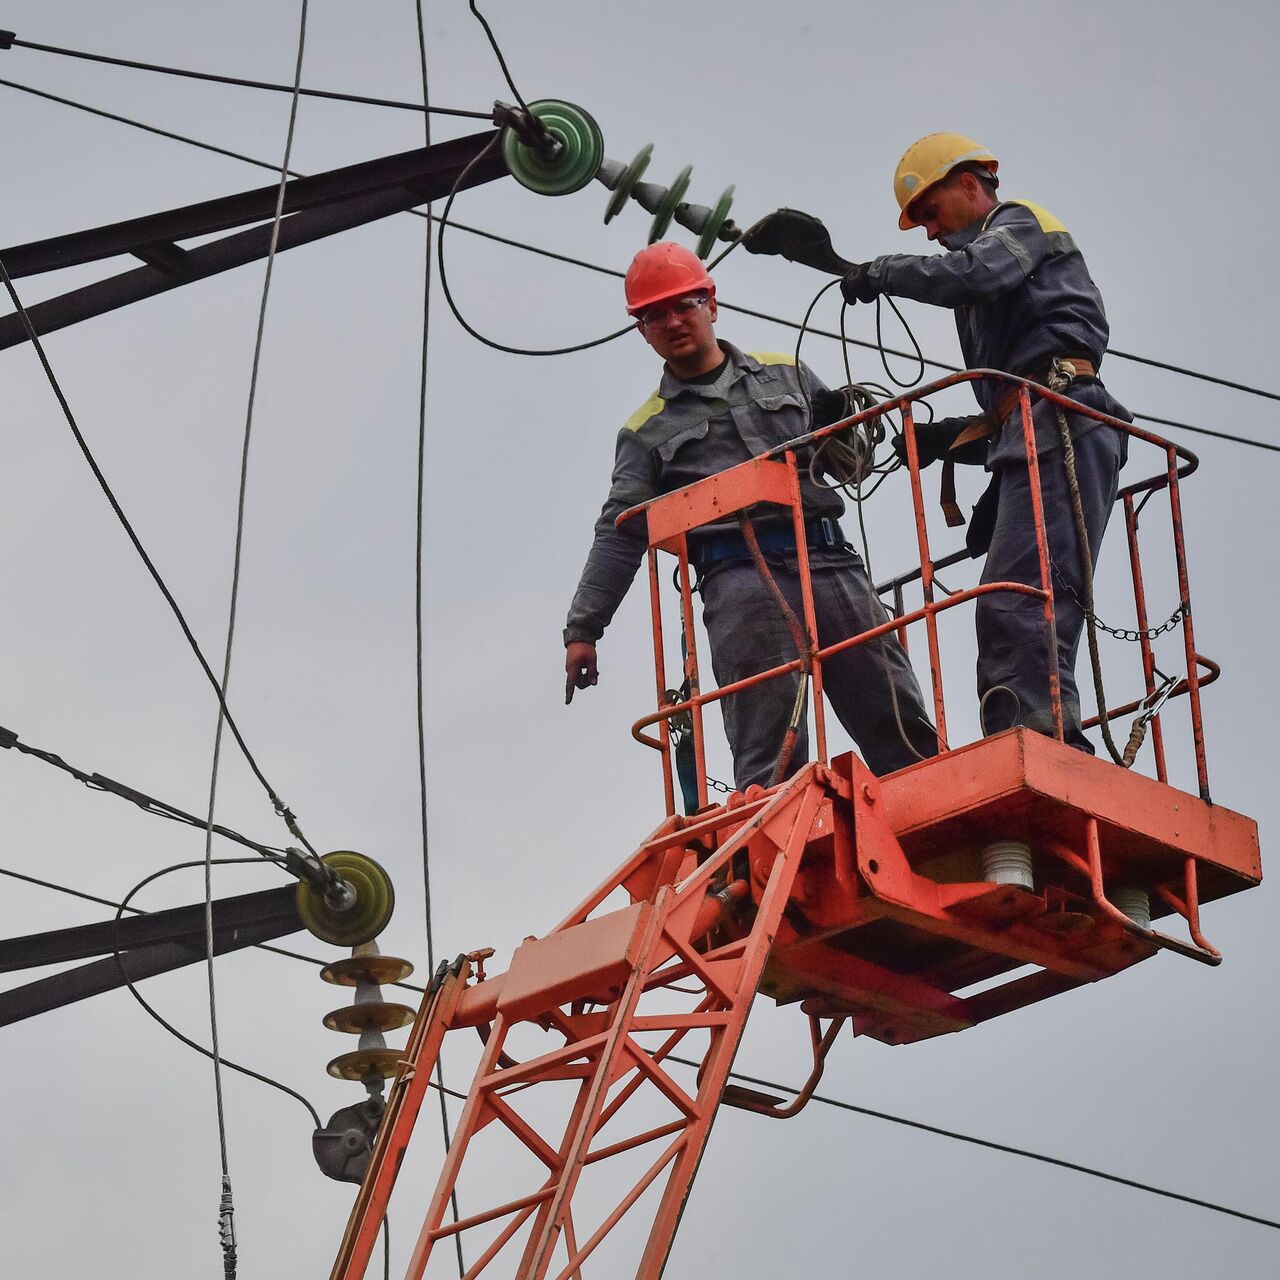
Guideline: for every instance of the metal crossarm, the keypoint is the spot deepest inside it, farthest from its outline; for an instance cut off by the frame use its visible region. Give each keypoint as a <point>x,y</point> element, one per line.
<point>316,206</point>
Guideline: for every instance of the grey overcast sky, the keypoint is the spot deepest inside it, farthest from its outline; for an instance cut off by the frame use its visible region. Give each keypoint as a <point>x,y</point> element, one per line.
<point>1146,127</point>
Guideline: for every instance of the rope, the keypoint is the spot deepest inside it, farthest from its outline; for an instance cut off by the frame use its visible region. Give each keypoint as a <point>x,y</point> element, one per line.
<point>857,460</point>
<point>803,644</point>
<point>1059,380</point>
<point>213,78</point>
<point>418,628</point>
<point>227,1212</point>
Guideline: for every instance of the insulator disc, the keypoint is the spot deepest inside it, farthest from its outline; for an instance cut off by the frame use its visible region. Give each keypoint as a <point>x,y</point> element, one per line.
<point>626,184</point>
<point>375,1016</point>
<point>573,166</point>
<point>365,918</point>
<point>356,969</point>
<point>719,216</point>
<point>666,210</point>
<point>360,1064</point>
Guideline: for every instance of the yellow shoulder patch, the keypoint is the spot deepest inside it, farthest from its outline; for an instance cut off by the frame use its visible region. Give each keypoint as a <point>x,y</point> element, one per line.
<point>653,406</point>
<point>1042,215</point>
<point>773,357</point>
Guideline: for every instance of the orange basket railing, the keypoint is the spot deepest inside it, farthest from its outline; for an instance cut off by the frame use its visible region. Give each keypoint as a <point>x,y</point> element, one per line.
<point>773,479</point>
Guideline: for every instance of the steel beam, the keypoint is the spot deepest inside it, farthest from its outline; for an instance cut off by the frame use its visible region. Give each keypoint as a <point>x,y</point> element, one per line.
<point>174,925</point>
<point>314,207</point>
<point>149,944</point>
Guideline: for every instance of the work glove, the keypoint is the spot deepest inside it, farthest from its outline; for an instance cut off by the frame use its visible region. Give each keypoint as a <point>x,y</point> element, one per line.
<point>798,237</point>
<point>857,285</point>
<point>580,667</point>
<point>829,407</point>
<point>934,441</point>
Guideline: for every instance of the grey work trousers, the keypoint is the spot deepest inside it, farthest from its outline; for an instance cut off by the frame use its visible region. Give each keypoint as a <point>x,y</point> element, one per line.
<point>748,634</point>
<point>1013,650</point>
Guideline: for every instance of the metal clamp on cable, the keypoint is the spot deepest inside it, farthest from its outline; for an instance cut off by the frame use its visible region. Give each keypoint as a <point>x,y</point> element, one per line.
<point>528,128</point>
<point>321,877</point>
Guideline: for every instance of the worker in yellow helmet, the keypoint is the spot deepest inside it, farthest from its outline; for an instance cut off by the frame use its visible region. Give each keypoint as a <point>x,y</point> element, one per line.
<point>1024,304</point>
<point>716,407</point>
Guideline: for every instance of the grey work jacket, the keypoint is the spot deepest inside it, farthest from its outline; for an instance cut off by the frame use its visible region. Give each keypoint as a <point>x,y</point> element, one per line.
<point>682,433</point>
<point>1022,295</point>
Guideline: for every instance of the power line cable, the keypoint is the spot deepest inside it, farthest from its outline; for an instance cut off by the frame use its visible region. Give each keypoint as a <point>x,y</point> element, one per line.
<point>888,1117</point>
<point>998,1146</point>
<point>419,666</point>
<point>188,74</point>
<point>227,1214</point>
<point>168,1026</point>
<point>453,306</point>
<point>148,804</point>
<point>280,807</point>
<point>612,271</point>
<point>502,62</point>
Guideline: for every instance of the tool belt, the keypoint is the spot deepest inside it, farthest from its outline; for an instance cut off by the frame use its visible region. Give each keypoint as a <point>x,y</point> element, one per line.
<point>1008,401</point>
<point>984,427</point>
<point>709,549</point>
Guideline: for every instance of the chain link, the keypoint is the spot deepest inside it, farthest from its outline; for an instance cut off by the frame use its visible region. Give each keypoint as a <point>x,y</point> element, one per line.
<point>1122,633</point>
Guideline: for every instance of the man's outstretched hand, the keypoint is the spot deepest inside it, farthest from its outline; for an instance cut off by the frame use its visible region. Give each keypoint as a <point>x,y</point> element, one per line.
<point>580,667</point>
<point>798,237</point>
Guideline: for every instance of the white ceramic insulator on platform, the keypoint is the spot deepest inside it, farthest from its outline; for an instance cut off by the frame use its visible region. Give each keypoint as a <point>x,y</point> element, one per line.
<point>1008,862</point>
<point>1135,903</point>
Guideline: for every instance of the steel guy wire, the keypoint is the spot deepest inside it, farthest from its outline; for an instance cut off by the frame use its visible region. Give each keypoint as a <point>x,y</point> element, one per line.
<point>887,1116</point>
<point>188,74</point>
<point>228,1208</point>
<point>614,272</point>
<point>419,674</point>
<point>124,906</point>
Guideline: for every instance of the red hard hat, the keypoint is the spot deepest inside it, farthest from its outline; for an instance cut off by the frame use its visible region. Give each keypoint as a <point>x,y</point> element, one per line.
<point>664,270</point>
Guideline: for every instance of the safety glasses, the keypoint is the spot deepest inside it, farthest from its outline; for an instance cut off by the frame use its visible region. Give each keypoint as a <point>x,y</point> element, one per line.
<point>681,309</point>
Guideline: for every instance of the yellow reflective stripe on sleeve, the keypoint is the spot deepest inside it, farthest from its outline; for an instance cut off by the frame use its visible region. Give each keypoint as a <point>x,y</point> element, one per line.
<point>1047,221</point>
<point>653,406</point>
<point>773,357</point>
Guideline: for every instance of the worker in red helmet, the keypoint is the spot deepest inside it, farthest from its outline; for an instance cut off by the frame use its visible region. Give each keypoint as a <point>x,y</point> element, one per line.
<point>1025,304</point>
<point>715,407</point>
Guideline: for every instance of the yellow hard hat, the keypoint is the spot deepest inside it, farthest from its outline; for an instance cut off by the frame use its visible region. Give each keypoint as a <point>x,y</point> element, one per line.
<point>928,161</point>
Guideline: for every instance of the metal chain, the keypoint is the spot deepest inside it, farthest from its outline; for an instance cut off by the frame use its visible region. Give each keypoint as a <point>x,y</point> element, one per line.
<point>1121,633</point>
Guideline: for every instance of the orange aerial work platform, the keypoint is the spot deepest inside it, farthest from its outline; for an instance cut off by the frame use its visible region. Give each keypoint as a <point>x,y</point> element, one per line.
<point>989,877</point>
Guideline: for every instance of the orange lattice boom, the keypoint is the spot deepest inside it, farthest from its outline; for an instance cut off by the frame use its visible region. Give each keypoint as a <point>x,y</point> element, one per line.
<point>861,899</point>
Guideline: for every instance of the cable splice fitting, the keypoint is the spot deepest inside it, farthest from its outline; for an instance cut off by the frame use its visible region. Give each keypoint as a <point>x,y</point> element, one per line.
<point>7,38</point>
<point>227,1229</point>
